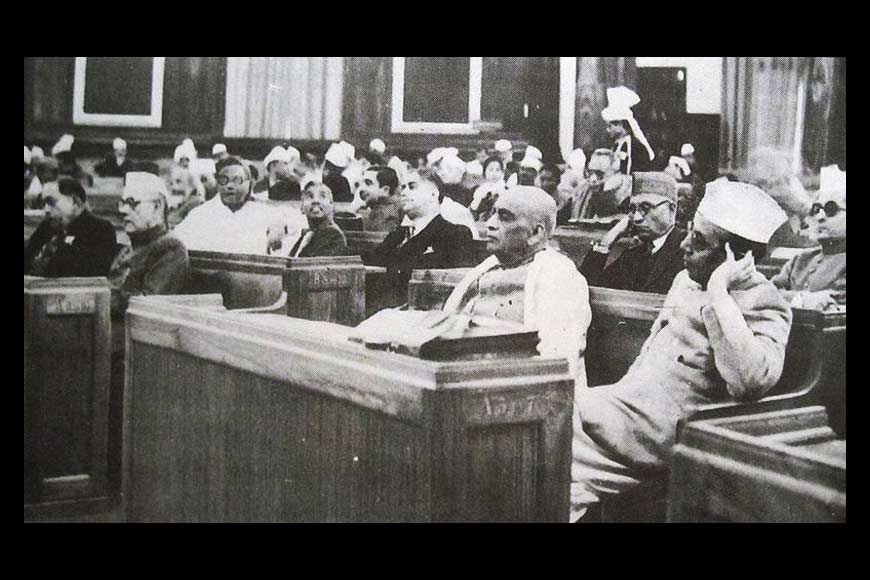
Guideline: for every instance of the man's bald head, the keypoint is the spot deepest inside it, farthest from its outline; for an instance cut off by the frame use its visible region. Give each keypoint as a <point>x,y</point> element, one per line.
<point>522,222</point>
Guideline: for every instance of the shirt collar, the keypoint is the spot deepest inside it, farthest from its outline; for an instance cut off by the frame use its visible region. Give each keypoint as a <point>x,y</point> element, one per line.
<point>660,241</point>
<point>419,223</point>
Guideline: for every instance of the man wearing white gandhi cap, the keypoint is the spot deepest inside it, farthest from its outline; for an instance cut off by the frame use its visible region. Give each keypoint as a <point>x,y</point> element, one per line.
<point>338,157</point>
<point>156,262</point>
<point>622,128</point>
<point>721,335</point>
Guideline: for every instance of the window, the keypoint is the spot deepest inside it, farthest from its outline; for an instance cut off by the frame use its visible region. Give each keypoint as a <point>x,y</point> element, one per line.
<point>118,91</point>
<point>436,94</point>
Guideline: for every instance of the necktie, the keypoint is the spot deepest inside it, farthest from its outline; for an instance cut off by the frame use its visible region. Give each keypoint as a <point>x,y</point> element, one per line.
<point>306,239</point>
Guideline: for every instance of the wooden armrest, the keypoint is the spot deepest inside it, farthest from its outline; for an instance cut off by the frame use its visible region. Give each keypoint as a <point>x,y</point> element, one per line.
<point>279,307</point>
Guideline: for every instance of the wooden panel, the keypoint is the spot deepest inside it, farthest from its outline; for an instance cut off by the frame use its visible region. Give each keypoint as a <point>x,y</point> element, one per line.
<point>282,419</point>
<point>745,469</point>
<point>331,289</point>
<point>194,94</point>
<point>67,346</point>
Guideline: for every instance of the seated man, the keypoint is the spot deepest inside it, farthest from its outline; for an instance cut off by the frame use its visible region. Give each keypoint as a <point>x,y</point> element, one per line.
<point>322,237</point>
<point>429,241</point>
<point>606,188</point>
<point>379,190</point>
<point>721,335</point>
<point>338,157</point>
<point>70,241</point>
<point>548,179</point>
<point>117,164</point>
<point>234,222</point>
<point>816,279</point>
<point>525,281</point>
<point>654,261</point>
<point>278,185</point>
<point>156,262</point>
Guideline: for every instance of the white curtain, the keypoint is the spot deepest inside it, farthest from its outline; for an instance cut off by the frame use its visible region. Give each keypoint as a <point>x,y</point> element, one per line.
<point>762,106</point>
<point>284,97</point>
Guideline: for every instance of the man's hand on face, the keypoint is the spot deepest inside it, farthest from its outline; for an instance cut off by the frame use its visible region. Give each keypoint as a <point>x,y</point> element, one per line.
<point>730,273</point>
<point>616,232</point>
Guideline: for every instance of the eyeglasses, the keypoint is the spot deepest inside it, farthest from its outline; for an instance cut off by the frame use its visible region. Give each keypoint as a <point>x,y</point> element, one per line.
<point>831,208</point>
<point>644,207</point>
<point>599,175</point>
<point>237,180</point>
<point>129,202</point>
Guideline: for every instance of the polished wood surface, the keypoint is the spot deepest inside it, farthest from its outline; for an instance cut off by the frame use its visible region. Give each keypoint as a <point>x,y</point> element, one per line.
<point>233,417</point>
<point>331,289</point>
<point>67,346</point>
<point>782,466</point>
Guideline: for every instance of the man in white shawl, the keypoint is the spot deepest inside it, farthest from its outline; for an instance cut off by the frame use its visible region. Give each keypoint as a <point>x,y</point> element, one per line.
<point>528,282</point>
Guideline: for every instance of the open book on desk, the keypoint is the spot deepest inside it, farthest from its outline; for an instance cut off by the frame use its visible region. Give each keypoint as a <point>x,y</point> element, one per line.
<point>436,335</point>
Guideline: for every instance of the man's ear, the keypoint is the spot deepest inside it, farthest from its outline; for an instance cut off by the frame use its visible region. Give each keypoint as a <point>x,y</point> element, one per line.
<point>538,233</point>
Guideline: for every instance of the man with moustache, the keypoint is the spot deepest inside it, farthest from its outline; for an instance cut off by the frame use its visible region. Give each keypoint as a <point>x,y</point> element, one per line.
<point>322,237</point>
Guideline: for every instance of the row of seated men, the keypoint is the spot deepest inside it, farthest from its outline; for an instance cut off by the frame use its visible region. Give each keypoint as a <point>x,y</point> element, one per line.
<point>722,332</point>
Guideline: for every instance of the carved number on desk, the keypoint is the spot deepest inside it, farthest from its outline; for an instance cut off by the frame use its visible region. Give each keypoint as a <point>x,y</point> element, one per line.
<point>328,280</point>
<point>499,406</point>
<point>71,305</point>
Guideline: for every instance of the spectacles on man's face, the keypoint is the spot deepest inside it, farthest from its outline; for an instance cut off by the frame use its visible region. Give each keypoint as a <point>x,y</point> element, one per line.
<point>598,174</point>
<point>129,202</point>
<point>237,180</point>
<point>831,208</point>
<point>644,207</point>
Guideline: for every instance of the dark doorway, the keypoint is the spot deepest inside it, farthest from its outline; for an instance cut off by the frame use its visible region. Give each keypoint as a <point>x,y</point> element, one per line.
<point>522,93</point>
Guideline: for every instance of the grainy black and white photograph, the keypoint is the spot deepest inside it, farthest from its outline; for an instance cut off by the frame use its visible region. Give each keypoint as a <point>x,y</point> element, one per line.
<point>434,289</point>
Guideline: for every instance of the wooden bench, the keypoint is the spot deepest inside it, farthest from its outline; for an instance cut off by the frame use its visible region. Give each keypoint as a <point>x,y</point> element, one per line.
<point>239,417</point>
<point>813,373</point>
<point>330,289</point>
<point>782,466</point>
<point>67,343</point>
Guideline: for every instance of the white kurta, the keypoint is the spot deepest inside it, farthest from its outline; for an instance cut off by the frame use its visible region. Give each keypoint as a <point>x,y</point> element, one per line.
<point>214,227</point>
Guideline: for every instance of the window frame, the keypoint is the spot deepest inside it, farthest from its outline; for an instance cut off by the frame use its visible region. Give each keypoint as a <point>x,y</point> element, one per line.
<point>154,120</point>
<point>398,125</point>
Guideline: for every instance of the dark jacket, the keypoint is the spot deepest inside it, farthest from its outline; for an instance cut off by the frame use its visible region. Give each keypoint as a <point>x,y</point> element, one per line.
<point>110,168</point>
<point>441,244</point>
<point>85,249</point>
<point>339,187</point>
<point>282,190</point>
<point>328,240</point>
<point>635,270</point>
<point>157,263</point>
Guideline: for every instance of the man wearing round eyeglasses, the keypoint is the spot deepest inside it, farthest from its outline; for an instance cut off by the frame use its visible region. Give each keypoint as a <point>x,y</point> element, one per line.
<point>816,279</point>
<point>156,262</point>
<point>654,258</point>
<point>70,241</point>
<point>233,222</point>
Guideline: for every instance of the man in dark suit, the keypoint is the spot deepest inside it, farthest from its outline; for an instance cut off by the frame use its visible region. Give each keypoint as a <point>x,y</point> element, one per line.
<point>654,258</point>
<point>71,241</point>
<point>117,164</point>
<point>322,237</point>
<point>429,241</point>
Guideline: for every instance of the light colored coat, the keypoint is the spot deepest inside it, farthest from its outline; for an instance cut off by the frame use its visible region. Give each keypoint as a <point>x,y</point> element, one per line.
<point>698,352</point>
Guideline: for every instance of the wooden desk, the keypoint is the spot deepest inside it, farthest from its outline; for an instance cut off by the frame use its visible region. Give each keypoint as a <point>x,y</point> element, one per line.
<point>783,466</point>
<point>331,289</point>
<point>233,417</point>
<point>67,347</point>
